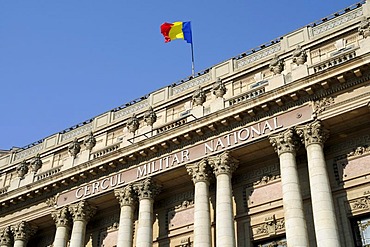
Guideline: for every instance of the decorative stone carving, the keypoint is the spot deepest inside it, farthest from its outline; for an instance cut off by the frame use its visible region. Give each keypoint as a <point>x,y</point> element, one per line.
<point>23,231</point>
<point>265,179</point>
<point>271,226</point>
<point>51,201</point>
<point>321,105</point>
<point>360,203</point>
<point>82,211</point>
<point>146,189</point>
<point>132,123</point>
<point>126,195</point>
<point>359,151</point>
<point>90,141</point>
<point>299,56</point>
<point>200,171</point>
<point>285,142</point>
<point>22,169</point>
<point>6,236</point>
<point>276,65</point>
<point>364,28</point>
<point>74,148</point>
<point>185,204</point>
<point>150,117</point>
<point>36,163</point>
<point>61,217</point>
<point>199,97</point>
<point>219,88</point>
<point>223,163</point>
<point>313,133</point>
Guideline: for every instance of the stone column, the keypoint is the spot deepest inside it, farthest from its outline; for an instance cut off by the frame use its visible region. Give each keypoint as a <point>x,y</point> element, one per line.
<point>313,136</point>
<point>126,197</point>
<point>200,173</point>
<point>223,166</point>
<point>285,145</point>
<point>6,237</point>
<point>81,212</point>
<point>62,222</point>
<point>146,191</point>
<point>22,232</point>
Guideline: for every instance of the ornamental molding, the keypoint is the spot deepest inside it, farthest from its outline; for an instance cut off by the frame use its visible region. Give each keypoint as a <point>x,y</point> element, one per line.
<point>265,179</point>
<point>361,150</point>
<point>257,56</point>
<point>191,83</point>
<point>361,204</point>
<point>321,105</point>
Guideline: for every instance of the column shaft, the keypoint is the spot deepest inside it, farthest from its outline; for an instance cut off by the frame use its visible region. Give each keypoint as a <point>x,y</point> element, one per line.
<point>202,218</point>
<point>225,233</point>
<point>295,223</point>
<point>61,236</point>
<point>326,228</point>
<point>144,237</point>
<point>20,243</point>
<point>78,234</point>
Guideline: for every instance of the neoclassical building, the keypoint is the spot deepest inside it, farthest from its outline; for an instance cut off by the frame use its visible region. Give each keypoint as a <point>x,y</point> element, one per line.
<point>268,148</point>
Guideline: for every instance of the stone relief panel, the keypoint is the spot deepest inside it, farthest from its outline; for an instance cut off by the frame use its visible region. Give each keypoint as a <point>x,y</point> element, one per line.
<point>271,226</point>
<point>360,205</point>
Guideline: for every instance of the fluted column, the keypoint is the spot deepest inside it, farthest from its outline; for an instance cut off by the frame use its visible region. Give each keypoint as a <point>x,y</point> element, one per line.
<point>22,232</point>
<point>200,173</point>
<point>313,136</point>
<point>126,197</point>
<point>285,145</point>
<point>81,213</point>
<point>146,191</point>
<point>62,222</point>
<point>223,166</point>
<point>6,237</point>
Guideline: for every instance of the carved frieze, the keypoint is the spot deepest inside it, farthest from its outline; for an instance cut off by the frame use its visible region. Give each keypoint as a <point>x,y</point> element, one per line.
<point>265,179</point>
<point>359,151</point>
<point>361,204</point>
<point>270,227</point>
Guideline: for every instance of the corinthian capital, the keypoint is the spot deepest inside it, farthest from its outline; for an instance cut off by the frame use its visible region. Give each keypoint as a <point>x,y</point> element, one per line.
<point>200,171</point>
<point>82,211</point>
<point>146,189</point>
<point>6,236</point>
<point>126,195</point>
<point>61,217</point>
<point>23,231</point>
<point>285,142</point>
<point>223,163</point>
<point>312,133</point>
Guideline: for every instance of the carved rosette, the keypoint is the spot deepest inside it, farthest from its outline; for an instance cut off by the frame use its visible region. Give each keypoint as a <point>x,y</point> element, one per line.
<point>150,117</point>
<point>223,163</point>
<point>285,142</point>
<point>299,56</point>
<point>90,141</point>
<point>364,28</point>
<point>132,123</point>
<point>126,195</point>
<point>312,133</point>
<point>74,148</point>
<point>219,88</point>
<point>82,211</point>
<point>199,97</point>
<point>23,231</point>
<point>146,189</point>
<point>22,169</point>
<point>36,163</point>
<point>61,217</point>
<point>200,171</point>
<point>276,65</point>
<point>6,236</point>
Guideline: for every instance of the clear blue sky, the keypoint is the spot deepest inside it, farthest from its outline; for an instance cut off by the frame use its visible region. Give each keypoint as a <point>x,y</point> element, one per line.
<point>65,61</point>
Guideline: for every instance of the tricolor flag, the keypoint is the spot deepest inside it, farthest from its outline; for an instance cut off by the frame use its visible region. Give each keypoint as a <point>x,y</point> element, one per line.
<point>176,30</point>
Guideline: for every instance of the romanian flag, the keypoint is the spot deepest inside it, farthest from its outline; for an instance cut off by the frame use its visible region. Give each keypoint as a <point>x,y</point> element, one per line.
<point>176,30</point>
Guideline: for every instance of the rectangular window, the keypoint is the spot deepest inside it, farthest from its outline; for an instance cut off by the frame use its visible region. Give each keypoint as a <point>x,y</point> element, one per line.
<point>361,227</point>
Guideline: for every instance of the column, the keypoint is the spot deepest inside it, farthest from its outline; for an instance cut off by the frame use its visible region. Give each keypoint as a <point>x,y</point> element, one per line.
<point>146,191</point>
<point>81,212</point>
<point>62,222</point>
<point>285,145</point>
<point>223,166</point>
<point>22,232</point>
<point>126,197</point>
<point>200,173</point>
<point>313,136</point>
<point>6,237</point>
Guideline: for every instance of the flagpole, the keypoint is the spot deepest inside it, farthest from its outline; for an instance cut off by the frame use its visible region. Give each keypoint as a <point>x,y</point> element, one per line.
<point>192,59</point>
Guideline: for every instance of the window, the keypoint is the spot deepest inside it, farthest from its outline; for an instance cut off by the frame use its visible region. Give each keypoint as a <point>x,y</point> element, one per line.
<point>361,228</point>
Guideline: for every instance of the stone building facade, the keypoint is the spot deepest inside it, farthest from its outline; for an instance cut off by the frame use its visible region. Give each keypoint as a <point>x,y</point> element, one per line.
<point>269,148</point>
